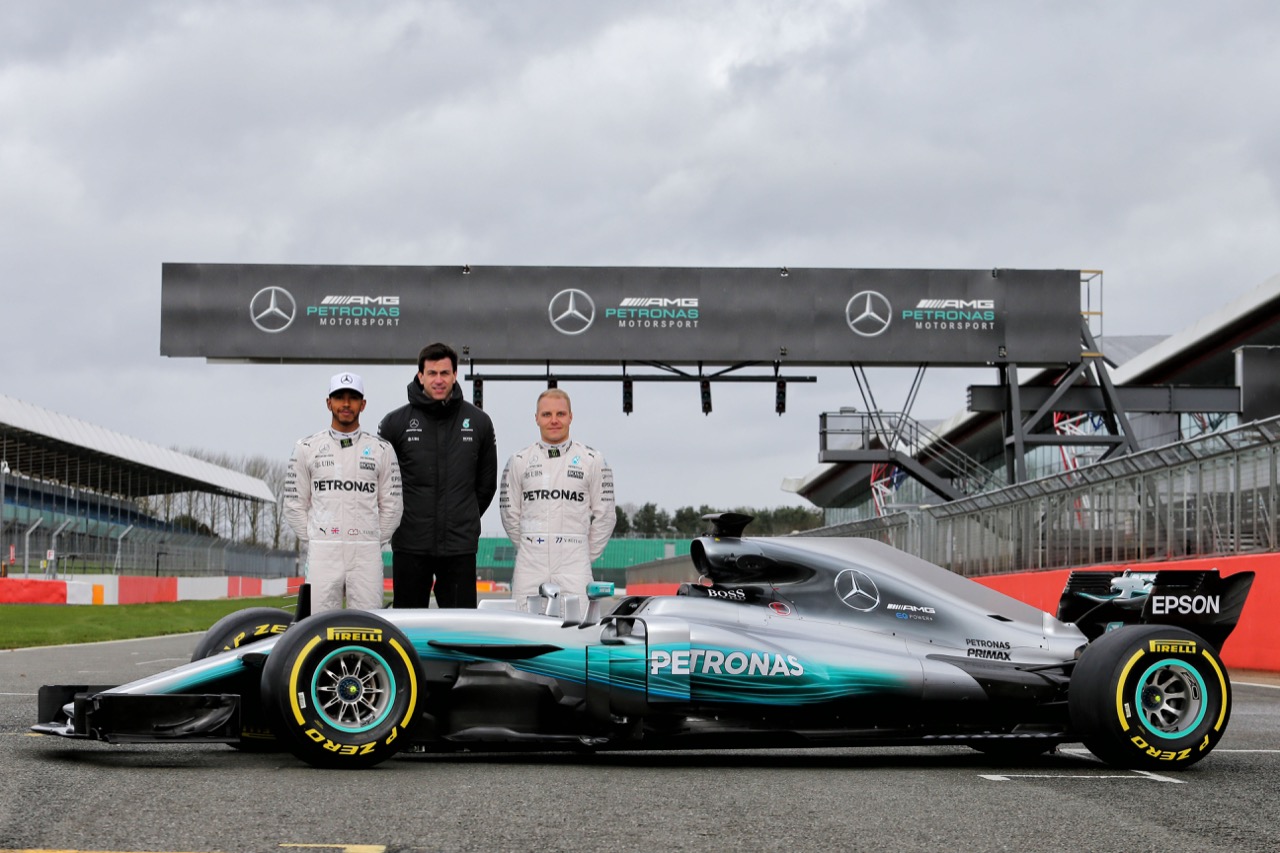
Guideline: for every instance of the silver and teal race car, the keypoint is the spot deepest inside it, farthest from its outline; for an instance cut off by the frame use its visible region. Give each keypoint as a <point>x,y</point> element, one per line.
<point>786,642</point>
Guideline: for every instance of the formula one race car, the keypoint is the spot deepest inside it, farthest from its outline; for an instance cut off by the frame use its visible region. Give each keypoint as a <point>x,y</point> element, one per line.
<point>788,642</point>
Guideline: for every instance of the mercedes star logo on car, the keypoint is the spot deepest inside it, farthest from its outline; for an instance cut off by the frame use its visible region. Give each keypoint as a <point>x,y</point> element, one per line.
<point>272,309</point>
<point>868,313</point>
<point>571,311</point>
<point>856,590</point>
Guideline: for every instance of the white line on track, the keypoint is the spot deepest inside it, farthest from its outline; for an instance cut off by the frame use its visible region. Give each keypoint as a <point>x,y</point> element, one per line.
<point>1135,776</point>
<point>1220,749</point>
<point>160,660</point>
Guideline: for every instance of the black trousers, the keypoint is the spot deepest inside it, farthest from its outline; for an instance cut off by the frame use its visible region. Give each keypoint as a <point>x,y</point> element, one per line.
<point>413,575</point>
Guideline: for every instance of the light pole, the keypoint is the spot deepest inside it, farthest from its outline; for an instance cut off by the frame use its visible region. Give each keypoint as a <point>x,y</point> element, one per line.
<point>4,470</point>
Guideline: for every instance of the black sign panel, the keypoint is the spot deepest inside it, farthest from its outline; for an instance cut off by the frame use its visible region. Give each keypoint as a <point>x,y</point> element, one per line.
<point>604,315</point>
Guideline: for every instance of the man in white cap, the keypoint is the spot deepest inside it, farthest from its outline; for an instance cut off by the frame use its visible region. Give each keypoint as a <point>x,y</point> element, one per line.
<point>342,499</point>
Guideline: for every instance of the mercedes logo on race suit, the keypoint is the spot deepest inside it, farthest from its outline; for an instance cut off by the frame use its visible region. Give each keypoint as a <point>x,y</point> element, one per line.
<point>571,312</point>
<point>868,313</point>
<point>272,309</point>
<point>855,589</point>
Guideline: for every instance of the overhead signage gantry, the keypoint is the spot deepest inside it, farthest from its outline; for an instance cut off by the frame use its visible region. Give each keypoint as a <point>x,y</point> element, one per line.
<point>614,315</point>
<point>656,324</point>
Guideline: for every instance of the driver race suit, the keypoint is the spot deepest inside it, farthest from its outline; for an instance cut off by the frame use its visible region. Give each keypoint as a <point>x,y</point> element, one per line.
<point>342,499</point>
<point>556,504</point>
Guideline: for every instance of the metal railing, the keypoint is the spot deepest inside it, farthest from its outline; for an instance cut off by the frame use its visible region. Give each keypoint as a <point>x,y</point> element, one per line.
<point>848,429</point>
<point>85,546</point>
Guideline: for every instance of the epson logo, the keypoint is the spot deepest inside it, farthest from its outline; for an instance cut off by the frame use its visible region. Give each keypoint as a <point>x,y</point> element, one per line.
<point>658,302</point>
<point>360,300</point>
<point>1184,604</point>
<point>985,304</point>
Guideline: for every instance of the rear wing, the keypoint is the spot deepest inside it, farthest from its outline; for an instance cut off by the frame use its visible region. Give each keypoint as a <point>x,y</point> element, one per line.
<point>1201,601</point>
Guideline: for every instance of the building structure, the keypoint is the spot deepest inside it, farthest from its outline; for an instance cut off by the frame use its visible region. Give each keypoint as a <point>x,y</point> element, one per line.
<point>78,497</point>
<point>1235,348</point>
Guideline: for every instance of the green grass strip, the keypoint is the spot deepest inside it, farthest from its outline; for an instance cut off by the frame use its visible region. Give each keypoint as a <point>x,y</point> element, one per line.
<point>27,625</point>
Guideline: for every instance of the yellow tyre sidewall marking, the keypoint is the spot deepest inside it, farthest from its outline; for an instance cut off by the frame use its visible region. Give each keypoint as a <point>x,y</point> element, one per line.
<point>1120,688</point>
<point>293,678</point>
<point>1222,683</point>
<point>413,682</point>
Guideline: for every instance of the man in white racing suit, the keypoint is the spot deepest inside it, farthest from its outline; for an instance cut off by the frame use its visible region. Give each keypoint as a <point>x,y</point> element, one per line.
<point>557,505</point>
<point>342,499</point>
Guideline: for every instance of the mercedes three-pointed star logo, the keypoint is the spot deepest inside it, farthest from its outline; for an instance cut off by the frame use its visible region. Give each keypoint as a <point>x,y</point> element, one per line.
<point>571,311</point>
<point>868,313</point>
<point>855,589</point>
<point>272,309</point>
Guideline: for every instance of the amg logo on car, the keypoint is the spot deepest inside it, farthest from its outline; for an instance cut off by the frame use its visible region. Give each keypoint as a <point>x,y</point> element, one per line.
<point>714,661</point>
<point>1173,647</point>
<point>354,635</point>
<point>1184,604</point>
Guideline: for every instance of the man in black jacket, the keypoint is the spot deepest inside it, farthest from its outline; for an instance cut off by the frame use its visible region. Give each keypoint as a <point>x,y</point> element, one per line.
<point>449,474</point>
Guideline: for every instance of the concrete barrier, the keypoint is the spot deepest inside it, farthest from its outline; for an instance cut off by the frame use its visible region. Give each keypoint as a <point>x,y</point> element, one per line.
<point>128,589</point>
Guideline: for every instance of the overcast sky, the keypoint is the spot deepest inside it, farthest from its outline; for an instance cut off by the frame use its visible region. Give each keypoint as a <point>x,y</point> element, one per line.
<point>1138,138</point>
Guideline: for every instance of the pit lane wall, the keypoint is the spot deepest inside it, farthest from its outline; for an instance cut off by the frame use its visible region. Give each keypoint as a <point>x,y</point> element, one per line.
<point>129,589</point>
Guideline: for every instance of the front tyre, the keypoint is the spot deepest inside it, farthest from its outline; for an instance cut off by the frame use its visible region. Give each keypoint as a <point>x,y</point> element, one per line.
<point>236,631</point>
<point>1150,697</point>
<point>241,628</point>
<point>344,688</point>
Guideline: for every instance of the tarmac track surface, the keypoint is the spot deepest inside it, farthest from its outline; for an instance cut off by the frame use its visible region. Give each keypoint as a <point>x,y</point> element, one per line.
<point>82,796</point>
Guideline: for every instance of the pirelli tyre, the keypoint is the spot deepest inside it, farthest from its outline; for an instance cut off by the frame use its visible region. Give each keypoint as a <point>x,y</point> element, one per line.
<point>1148,697</point>
<point>242,628</point>
<point>235,631</point>
<point>344,688</point>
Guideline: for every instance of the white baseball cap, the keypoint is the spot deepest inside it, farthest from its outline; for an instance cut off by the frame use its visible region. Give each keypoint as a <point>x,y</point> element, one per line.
<point>346,381</point>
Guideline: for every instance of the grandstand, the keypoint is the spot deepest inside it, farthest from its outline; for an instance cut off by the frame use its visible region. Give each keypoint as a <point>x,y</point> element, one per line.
<point>77,497</point>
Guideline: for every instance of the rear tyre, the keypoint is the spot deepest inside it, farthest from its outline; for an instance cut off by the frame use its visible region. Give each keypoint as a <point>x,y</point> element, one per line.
<point>235,631</point>
<point>1150,697</point>
<point>344,688</point>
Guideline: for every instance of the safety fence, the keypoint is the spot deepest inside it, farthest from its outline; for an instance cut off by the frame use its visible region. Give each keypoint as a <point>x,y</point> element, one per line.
<point>48,544</point>
<point>1212,495</point>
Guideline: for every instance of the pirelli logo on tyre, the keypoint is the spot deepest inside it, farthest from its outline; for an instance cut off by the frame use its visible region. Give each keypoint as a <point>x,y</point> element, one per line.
<point>354,635</point>
<point>1172,647</point>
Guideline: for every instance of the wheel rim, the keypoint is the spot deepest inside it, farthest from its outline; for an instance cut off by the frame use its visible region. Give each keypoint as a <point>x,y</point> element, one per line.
<point>1171,699</point>
<point>353,689</point>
